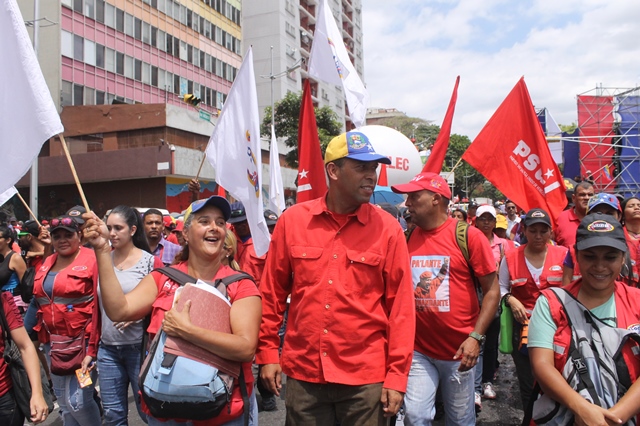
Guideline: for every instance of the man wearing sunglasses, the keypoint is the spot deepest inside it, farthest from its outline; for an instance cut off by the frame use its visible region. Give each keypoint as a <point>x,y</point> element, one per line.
<point>512,216</point>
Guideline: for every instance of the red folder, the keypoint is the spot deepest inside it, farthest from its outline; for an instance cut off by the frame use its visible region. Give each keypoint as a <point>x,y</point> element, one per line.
<point>208,311</point>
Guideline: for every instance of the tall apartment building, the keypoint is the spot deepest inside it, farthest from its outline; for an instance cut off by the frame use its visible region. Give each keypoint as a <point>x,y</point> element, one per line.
<point>93,52</point>
<point>288,26</point>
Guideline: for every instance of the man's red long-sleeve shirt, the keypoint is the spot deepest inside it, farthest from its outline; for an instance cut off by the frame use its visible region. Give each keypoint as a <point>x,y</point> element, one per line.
<point>352,314</point>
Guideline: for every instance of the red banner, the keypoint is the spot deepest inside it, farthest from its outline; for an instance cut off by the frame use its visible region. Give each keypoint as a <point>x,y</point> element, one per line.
<point>511,151</point>
<point>312,183</point>
<point>436,159</point>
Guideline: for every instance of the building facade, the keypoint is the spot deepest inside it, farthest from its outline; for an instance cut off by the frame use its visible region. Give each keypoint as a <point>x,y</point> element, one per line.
<point>288,26</point>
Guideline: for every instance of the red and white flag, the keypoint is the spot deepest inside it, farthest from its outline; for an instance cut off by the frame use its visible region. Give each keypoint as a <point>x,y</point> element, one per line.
<point>511,151</point>
<point>28,116</point>
<point>440,146</point>
<point>312,183</point>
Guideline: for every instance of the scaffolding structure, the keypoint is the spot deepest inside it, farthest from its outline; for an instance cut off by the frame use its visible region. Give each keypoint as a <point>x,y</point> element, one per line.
<point>605,148</point>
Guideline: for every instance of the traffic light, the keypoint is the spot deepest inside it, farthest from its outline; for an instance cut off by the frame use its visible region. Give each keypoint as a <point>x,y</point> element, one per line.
<point>191,99</point>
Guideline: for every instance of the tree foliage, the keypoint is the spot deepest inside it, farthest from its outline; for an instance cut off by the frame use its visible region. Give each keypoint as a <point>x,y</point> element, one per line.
<point>286,123</point>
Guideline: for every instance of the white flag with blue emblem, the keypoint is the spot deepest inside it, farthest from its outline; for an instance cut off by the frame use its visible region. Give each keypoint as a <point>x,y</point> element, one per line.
<point>28,116</point>
<point>234,151</point>
<point>330,62</point>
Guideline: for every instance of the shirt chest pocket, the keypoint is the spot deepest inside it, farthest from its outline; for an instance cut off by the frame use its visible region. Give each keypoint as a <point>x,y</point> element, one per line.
<point>363,270</point>
<point>306,265</point>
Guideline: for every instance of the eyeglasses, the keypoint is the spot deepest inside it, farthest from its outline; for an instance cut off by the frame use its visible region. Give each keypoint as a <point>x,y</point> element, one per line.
<point>65,221</point>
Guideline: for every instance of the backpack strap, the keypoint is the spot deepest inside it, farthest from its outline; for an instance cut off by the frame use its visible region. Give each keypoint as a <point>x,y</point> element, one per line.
<point>176,275</point>
<point>462,238</point>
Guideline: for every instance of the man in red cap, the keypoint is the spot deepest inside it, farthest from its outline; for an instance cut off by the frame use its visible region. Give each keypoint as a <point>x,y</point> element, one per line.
<point>454,311</point>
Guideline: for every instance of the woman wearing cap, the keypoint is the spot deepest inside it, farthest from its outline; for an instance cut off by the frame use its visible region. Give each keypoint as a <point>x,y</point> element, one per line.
<point>64,289</point>
<point>119,350</point>
<point>600,248</point>
<point>525,271</point>
<point>12,267</point>
<point>606,204</point>
<point>204,233</point>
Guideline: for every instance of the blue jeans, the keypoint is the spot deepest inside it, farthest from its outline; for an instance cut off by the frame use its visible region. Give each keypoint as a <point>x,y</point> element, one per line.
<point>478,370</point>
<point>253,417</point>
<point>77,406</point>
<point>118,366</point>
<point>10,414</point>
<point>426,375</point>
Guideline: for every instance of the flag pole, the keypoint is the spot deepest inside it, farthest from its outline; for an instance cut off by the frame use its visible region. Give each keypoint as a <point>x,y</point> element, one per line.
<point>454,167</point>
<point>73,171</point>
<point>26,206</point>
<point>204,157</point>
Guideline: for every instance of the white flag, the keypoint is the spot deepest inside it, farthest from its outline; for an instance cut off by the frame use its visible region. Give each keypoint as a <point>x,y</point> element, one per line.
<point>276,188</point>
<point>330,62</point>
<point>6,195</point>
<point>28,116</point>
<point>234,151</point>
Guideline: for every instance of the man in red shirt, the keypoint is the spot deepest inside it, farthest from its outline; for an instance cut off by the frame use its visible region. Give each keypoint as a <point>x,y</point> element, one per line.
<point>568,221</point>
<point>351,323</point>
<point>450,327</point>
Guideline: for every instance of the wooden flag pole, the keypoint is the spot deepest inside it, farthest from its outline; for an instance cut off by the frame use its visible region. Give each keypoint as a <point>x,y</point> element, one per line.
<point>28,209</point>
<point>73,171</point>
<point>204,157</point>
<point>454,167</point>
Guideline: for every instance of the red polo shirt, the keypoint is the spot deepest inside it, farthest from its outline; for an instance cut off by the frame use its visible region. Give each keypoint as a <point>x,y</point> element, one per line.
<point>352,316</point>
<point>566,227</point>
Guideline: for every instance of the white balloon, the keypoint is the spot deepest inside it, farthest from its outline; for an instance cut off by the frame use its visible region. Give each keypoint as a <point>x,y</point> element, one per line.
<point>405,158</point>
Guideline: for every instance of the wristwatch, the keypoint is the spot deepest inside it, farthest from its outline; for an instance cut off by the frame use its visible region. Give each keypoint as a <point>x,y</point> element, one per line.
<point>479,337</point>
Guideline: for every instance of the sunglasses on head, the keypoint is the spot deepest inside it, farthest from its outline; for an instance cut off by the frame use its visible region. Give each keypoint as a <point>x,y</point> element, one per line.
<point>65,221</point>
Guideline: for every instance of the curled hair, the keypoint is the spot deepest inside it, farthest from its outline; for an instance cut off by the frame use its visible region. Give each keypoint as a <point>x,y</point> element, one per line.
<point>132,218</point>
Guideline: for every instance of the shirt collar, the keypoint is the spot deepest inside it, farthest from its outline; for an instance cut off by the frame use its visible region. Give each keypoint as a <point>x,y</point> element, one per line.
<point>319,207</point>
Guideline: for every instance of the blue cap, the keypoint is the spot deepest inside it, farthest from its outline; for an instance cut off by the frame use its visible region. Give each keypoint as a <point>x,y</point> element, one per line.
<point>602,198</point>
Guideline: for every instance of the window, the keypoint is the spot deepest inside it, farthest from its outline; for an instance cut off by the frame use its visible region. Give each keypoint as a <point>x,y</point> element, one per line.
<point>119,63</point>
<point>189,53</point>
<point>68,3</point>
<point>128,24</point>
<point>196,90</point>
<point>77,6</point>
<point>100,55</point>
<point>78,48</point>
<point>189,18</point>
<point>196,22</point>
<point>207,61</point>
<point>110,15</point>
<point>189,87</point>
<point>78,94</point>
<point>89,96</point>
<point>137,29</point>
<point>207,29</point>
<point>128,66</point>
<point>183,50</point>
<point>218,35</point>
<point>183,15</point>
<point>146,73</point>
<point>89,9</point>
<point>203,25</point>
<point>154,76</point>
<point>110,60</point>
<point>183,86</point>
<point>176,47</point>
<point>203,61</point>
<point>66,44</point>
<point>120,20</point>
<point>146,33</point>
<point>100,11</point>
<point>99,97</point>
<point>89,52</point>
<point>176,11</point>
<point>176,84</point>
<point>288,28</point>
<point>161,40</point>
<point>66,94</point>
<point>161,6</point>
<point>219,100</point>
<point>169,44</point>
<point>137,69</point>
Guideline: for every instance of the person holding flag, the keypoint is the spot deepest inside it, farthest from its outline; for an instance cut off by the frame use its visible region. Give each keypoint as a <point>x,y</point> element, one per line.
<point>351,319</point>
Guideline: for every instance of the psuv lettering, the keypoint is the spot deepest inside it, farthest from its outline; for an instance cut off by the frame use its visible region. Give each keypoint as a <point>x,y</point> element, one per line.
<point>532,162</point>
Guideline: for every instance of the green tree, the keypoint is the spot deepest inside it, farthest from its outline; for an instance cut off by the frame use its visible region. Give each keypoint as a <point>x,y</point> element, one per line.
<point>286,122</point>
<point>568,128</point>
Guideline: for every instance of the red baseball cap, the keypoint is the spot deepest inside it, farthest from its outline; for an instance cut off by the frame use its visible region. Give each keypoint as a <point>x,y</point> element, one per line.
<point>430,181</point>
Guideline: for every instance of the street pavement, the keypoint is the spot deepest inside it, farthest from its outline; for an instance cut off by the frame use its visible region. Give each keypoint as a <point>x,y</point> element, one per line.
<point>505,410</point>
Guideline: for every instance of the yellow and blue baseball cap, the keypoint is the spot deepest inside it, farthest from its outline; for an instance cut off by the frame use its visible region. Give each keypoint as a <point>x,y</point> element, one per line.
<point>354,145</point>
<point>602,198</point>
<point>215,201</point>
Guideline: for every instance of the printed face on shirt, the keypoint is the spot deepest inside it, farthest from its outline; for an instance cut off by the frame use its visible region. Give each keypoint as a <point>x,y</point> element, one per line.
<point>538,236</point>
<point>119,232</point>
<point>600,266</point>
<point>206,233</point>
<point>64,242</point>
<point>355,181</point>
<point>153,226</point>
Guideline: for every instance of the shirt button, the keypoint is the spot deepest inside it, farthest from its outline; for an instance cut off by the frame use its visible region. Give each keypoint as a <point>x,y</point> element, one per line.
<point>326,306</point>
<point>325,331</point>
<point>335,256</point>
<point>362,259</point>
<point>304,254</point>
<point>324,354</point>
<point>330,281</point>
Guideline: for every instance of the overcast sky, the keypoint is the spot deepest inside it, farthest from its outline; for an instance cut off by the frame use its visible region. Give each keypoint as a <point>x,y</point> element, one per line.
<point>414,49</point>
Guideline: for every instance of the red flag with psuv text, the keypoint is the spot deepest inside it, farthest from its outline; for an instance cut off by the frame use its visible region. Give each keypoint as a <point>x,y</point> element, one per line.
<point>312,183</point>
<point>440,146</point>
<point>512,153</point>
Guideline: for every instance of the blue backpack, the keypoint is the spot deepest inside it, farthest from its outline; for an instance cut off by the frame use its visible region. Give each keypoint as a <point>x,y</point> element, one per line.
<point>176,387</point>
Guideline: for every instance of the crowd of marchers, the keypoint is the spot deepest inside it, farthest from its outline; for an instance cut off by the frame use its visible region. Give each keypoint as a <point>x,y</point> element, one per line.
<point>369,311</point>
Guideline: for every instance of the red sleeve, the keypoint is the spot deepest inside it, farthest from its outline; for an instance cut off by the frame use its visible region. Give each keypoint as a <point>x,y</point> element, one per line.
<point>157,263</point>
<point>14,319</point>
<point>480,253</point>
